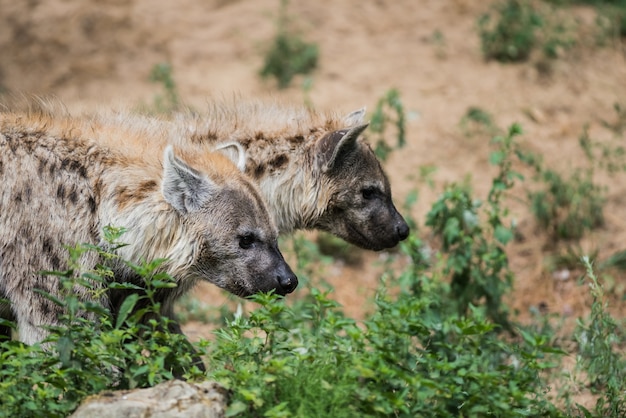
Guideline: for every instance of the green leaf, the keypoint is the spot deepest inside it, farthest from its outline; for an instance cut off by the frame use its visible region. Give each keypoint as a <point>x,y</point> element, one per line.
<point>127,306</point>
<point>503,234</point>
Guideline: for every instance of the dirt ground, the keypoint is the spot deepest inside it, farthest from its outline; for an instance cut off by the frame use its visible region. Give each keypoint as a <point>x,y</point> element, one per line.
<point>99,54</point>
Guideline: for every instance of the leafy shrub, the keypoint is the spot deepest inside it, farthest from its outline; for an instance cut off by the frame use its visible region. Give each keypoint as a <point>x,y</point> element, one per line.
<point>289,54</point>
<point>569,206</point>
<point>512,29</point>
<point>476,259</point>
<point>507,32</point>
<point>90,353</point>
<point>412,357</point>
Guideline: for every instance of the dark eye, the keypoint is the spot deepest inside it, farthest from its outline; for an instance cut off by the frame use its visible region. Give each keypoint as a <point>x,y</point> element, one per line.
<point>369,193</point>
<point>246,241</point>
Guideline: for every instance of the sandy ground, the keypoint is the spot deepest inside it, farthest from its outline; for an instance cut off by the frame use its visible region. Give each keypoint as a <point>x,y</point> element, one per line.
<point>98,54</point>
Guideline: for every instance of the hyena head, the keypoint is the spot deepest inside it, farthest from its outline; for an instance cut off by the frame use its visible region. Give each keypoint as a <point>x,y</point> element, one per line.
<point>359,205</point>
<point>236,241</point>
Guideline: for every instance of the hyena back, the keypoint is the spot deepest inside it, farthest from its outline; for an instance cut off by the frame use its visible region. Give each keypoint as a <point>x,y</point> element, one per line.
<point>64,179</point>
<point>314,170</point>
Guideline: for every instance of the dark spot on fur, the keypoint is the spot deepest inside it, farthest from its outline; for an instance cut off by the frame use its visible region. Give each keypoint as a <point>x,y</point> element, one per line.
<point>196,138</point>
<point>45,307</point>
<point>18,197</point>
<point>28,192</point>
<point>259,170</point>
<point>73,196</point>
<point>259,136</point>
<point>25,233</point>
<point>42,166</point>
<point>147,187</point>
<point>64,163</point>
<point>47,246</point>
<point>55,262</point>
<point>92,204</point>
<point>278,162</point>
<point>297,139</point>
<point>61,192</point>
<point>52,169</point>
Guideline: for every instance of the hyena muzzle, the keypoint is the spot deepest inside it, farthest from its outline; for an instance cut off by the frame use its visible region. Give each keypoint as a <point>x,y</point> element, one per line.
<point>64,179</point>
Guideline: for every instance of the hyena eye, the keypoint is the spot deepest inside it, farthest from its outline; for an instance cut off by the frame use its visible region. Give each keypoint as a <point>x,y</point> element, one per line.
<point>369,193</point>
<point>246,241</point>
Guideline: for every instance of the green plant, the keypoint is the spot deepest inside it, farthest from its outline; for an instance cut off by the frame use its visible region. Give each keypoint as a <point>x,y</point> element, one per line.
<point>477,121</point>
<point>508,30</point>
<point>412,357</point>
<point>169,101</point>
<point>512,29</point>
<point>600,341</point>
<point>93,350</point>
<point>289,54</point>
<point>389,103</point>
<point>475,256</point>
<point>606,155</point>
<point>567,207</point>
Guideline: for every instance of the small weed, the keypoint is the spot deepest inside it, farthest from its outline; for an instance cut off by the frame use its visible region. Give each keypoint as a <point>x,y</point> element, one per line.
<point>599,338</point>
<point>477,121</point>
<point>390,103</point>
<point>567,207</point>
<point>169,100</point>
<point>289,54</point>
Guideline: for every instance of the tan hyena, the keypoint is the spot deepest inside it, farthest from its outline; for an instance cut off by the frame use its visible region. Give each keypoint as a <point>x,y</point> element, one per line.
<point>64,179</point>
<point>314,170</point>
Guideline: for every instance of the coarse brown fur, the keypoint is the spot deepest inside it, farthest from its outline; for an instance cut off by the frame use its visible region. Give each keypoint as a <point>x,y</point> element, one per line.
<point>64,178</point>
<point>314,169</point>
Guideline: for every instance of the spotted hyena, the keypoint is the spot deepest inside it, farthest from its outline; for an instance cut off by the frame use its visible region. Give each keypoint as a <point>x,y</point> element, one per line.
<point>65,178</point>
<point>315,170</point>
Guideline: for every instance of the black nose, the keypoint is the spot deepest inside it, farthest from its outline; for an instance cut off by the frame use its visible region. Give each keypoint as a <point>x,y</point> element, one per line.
<point>402,229</point>
<point>288,282</point>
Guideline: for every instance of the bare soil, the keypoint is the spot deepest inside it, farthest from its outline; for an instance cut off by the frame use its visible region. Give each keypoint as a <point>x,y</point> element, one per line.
<point>99,54</point>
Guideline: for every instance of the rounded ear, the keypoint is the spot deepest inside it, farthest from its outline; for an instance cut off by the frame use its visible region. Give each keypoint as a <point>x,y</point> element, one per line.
<point>355,118</point>
<point>183,187</point>
<point>235,152</point>
<point>335,146</point>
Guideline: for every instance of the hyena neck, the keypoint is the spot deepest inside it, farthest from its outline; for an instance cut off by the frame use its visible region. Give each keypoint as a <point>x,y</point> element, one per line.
<point>289,182</point>
<point>153,231</point>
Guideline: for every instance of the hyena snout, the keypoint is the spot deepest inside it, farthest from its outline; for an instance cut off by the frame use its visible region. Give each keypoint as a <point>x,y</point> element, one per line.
<point>287,280</point>
<point>402,228</point>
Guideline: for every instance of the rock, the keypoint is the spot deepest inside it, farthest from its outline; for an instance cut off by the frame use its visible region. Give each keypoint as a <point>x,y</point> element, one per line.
<point>174,398</point>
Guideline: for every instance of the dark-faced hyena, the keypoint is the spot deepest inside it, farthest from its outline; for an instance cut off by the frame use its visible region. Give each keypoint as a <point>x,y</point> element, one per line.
<point>314,170</point>
<point>64,179</point>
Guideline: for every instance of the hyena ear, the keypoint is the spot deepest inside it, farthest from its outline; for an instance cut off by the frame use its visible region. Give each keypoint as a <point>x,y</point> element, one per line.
<point>355,118</point>
<point>185,188</point>
<point>335,146</point>
<point>235,152</point>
